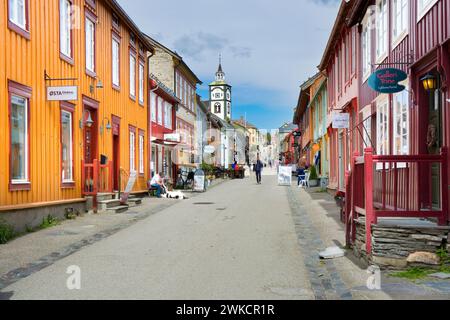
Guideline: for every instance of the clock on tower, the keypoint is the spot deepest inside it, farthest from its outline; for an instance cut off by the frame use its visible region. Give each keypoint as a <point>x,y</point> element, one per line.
<point>220,95</point>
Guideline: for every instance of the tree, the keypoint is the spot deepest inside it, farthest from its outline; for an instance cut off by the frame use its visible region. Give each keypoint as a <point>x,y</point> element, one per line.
<point>269,139</point>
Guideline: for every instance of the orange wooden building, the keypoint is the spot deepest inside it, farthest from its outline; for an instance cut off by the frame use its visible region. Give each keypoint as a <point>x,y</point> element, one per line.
<point>94,50</point>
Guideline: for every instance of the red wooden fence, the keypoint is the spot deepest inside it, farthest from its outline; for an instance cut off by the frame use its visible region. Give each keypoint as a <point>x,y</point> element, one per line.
<point>396,186</point>
<point>96,178</point>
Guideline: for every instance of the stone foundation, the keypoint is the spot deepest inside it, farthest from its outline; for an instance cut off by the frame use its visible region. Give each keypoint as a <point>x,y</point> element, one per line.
<point>392,243</point>
<point>22,219</point>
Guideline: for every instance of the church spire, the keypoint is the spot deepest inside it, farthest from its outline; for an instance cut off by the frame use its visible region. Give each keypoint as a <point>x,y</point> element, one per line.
<point>220,75</point>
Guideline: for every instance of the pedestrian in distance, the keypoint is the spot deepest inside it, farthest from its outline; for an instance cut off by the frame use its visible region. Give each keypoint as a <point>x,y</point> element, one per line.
<point>258,170</point>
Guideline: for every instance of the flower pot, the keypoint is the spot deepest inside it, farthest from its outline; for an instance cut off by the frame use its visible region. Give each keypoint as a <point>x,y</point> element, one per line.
<point>314,183</point>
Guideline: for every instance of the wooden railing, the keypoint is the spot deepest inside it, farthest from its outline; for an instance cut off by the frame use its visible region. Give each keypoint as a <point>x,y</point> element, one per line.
<point>396,186</point>
<point>96,178</point>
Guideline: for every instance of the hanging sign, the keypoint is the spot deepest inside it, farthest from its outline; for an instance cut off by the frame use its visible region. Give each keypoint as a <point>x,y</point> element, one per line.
<point>172,137</point>
<point>62,93</point>
<point>341,121</point>
<point>387,80</point>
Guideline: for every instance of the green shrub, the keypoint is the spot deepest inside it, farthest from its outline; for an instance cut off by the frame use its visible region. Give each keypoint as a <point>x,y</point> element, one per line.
<point>6,232</point>
<point>313,173</point>
<point>49,222</point>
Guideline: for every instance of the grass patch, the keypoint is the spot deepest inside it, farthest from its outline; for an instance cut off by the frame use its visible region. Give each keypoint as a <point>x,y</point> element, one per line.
<point>6,232</point>
<point>415,273</point>
<point>49,222</point>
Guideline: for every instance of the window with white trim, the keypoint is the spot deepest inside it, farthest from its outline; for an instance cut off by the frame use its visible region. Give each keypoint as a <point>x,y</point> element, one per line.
<point>132,75</point>
<point>65,34</point>
<point>141,154</point>
<point>115,62</point>
<point>18,13</point>
<point>141,83</point>
<point>424,5</point>
<point>160,111</point>
<point>132,151</point>
<point>168,115</point>
<point>67,146</point>
<point>19,139</point>
<point>383,127</point>
<point>366,49</point>
<point>401,123</point>
<point>399,18</point>
<point>90,45</point>
<point>381,31</point>
<point>153,106</point>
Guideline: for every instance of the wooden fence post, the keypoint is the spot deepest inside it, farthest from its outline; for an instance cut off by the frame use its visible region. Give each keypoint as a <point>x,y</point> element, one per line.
<point>370,214</point>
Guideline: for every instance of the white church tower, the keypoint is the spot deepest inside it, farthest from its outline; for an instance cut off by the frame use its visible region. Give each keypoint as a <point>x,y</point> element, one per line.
<point>220,95</point>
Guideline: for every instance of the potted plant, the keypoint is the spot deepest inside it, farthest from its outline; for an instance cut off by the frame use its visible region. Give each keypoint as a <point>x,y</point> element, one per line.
<point>313,177</point>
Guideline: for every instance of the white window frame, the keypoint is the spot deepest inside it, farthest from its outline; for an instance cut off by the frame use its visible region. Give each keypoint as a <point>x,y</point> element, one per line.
<point>70,152</point>
<point>132,151</point>
<point>141,154</point>
<point>90,45</point>
<point>65,28</point>
<point>160,111</point>
<point>26,179</point>
<point>423,6</point>
<point>141,82</point>
<point>366,46</point>
<point>383,124</point>
<point>382,30</point>
<point>15,13</point>
<point>153,106</point>
<point>400,11</point>
<point>132,75</point>
<point>168,115</point>
<point>115,62</point>
<point>401,97</point>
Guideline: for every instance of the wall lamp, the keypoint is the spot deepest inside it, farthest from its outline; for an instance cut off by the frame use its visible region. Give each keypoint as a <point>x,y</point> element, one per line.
<point>88,122</point>
<point>429,82</point>
<point>108,125</point>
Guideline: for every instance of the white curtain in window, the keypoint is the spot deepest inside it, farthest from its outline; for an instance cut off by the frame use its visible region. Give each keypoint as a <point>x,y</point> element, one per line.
<point>132,75</point>
<point>67,148</point>
<point>19,139</point>
<point>90,45</point>
<point>141,154</point>
<point>153,106</point>
<point>132,151</point>
<point>65,28</point>
<point>401,123</point>
<point>17,13</point>
<point>160,111</point>
<point>141,83</point>
<point>383,128</point>
<point>381,28</point>
<point>116,62</point>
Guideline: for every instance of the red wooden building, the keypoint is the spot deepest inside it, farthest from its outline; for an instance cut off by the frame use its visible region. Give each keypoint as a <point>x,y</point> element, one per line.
<point>399,166</point>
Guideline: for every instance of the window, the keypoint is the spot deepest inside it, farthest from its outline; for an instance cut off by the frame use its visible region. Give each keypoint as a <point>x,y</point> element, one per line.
<point>401,123</point>
<point>132,151</point>
<point>399,18</point>
<point>217,108</point>
<point>18,13</point>
<point>153,106</point>
<point>381,31</point>
<point>132,75</point>
<point>353,51</point>
<point>424,6</point>
<point>141,153</point>
<point>383,128</point>
<point>19,139</point>
<point>141,83</point>
<point>168,115</point>
<point>65,33</point>
<point>90,45</point>
<point>115,62</point>
<point>66,147</point>
<point>366,49</point>
<point>160,111</point>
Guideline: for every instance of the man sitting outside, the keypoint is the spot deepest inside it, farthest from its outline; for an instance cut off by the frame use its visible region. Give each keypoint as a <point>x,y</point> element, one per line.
<point>157,183</point>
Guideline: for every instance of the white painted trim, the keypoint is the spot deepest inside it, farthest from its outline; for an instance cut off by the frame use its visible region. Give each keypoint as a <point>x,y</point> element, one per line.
<point>422,13</point>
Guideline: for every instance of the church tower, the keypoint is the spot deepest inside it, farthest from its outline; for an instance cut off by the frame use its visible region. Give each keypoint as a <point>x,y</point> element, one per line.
<point>220,95</point>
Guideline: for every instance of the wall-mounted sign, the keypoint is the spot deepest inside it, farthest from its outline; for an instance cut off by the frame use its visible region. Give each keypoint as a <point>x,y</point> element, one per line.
<point>210,149</point>
<point>172,137</point>
<point>387,80</point>
<point>341,120</point>
<point>62,93</point>
<point>297,134</point>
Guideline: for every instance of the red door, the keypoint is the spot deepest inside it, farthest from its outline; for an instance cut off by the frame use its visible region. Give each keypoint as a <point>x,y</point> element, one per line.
<point>90,135</point>
<point>116,152</point>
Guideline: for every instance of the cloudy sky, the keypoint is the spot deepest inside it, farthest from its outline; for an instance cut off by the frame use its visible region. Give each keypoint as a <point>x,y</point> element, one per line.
<point>268,47</point>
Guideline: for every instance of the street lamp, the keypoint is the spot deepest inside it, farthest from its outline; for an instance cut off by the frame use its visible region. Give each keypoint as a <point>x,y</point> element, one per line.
<point>89,122</point>
<point>429,82</point>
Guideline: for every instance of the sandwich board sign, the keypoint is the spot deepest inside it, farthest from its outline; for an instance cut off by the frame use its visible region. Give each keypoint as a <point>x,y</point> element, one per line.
<point>199,181</point>
<point>285,176</point>
<point>129,187</point>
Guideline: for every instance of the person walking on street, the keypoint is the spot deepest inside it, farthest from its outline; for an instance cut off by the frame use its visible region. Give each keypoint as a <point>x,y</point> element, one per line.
<point>258,169</point>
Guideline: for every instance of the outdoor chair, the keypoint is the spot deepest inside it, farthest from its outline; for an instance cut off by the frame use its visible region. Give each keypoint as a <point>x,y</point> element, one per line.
<point>304,182</point>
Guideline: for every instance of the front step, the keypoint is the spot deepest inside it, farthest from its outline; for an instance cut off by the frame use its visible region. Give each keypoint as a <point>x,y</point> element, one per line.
<point>134,202</point>
<point>118,209</point>
<point>106,204</point>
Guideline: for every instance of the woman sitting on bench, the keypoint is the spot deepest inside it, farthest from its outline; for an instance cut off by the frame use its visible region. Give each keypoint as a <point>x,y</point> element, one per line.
<point>157,183</point>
